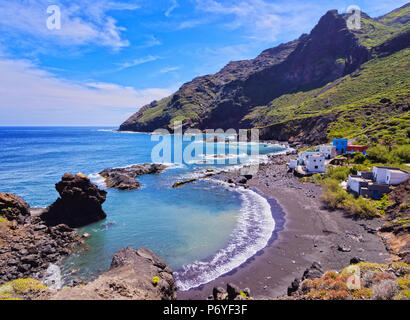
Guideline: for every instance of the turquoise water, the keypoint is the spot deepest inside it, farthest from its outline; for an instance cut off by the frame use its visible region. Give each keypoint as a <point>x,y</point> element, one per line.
<point>202,230</point>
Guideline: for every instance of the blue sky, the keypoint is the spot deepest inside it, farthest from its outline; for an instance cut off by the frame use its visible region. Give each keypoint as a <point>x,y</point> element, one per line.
<point>111,57</point>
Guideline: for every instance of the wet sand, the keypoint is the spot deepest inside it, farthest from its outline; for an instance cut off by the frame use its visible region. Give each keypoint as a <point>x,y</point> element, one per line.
<point>305,232</point>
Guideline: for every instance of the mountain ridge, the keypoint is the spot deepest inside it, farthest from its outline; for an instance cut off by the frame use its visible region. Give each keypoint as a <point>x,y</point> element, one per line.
<point>243,93</point>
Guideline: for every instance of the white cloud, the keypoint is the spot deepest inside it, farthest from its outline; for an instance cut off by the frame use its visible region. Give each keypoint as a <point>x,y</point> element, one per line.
<point>168,69</point>
<point>137,62</point>
<point>174,5</point>
<point>81,22</point>
<point>29,95</point>
<point>262,20</point>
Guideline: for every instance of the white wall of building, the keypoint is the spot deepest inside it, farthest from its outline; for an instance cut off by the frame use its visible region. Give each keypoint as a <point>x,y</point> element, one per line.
<point>353,184</point>
<point>316,164</point>
<point>395,177</point>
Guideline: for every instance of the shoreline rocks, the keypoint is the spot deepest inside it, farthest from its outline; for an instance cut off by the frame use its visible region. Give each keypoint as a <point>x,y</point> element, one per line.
<point>124,178</point>
<point>28,250</point>
<point>80,203</point>
<point>13,207</point>
<point>134,275</point>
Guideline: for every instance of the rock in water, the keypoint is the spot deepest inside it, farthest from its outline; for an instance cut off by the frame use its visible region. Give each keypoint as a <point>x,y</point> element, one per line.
<point>13,207</point>
<point>124,178</point>
<point>79,203</point>
<point>52,278</point>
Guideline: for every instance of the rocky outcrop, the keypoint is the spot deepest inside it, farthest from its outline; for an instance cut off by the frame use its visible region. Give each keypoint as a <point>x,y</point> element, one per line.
<point>13,207</point>
<point>134,275</point>
<point>232,292</point>
<point>79,203</point>
<point>313,272</point>
<point>124,178</point>
<point>27,250</point>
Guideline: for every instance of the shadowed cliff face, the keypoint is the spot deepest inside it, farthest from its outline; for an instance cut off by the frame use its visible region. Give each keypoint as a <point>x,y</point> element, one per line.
<point>229,98</point>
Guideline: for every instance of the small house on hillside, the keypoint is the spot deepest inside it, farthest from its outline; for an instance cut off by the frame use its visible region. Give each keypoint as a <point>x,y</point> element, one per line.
<point>390,175</point>
<point>328,151</point>
<point>316,163</point>
<point>303,156</point>
<point>360,186</point>
<point>356,148</point>
<point>341,145</point>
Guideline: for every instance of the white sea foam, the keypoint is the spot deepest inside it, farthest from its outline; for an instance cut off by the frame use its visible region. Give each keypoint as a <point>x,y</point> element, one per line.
<point>252,233</point>
<point>98,180</point>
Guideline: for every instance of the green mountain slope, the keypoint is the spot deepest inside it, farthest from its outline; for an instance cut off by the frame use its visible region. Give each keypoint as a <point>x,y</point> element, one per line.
<point>333,82</point>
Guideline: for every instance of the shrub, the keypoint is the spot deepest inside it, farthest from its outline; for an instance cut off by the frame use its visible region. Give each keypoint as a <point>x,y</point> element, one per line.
<point>359,206</point>
<point>402,154</point>
<point>359,158</point>
<point>385,290</point>
<point>338,173</point>
<point>379,154</point>
<point>333,195</point>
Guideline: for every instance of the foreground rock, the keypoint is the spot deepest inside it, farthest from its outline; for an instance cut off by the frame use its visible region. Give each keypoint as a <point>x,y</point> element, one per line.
<point>27,250</point>
<point>13,207</point>
<point>134,275</point>
<point>79,203</point>
<point>124,178</point>
<point>232,292</point>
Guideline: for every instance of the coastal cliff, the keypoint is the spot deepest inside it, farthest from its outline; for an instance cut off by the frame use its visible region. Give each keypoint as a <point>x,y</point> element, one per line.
<point>333,77</point>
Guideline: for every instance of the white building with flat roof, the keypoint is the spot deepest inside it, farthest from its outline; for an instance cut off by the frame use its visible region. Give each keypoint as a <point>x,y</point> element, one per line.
<point>390,175</point>
<point>328,150</point>
<point>316,163</point>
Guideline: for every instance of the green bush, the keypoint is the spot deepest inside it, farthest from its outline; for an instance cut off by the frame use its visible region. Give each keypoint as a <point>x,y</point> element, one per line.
<point>402,154</point>
<point>379,154</point>
<point>359,158</point>
<point>336,198</point>
<point>338,173</point>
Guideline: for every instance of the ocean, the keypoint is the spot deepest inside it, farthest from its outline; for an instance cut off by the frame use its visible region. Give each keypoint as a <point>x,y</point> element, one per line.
<point>202,230</point>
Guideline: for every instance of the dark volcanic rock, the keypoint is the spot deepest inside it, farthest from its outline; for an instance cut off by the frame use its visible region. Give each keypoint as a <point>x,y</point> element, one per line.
<point>79,203</point>
<point>313,272</point>
<point>134,275</point>
<point>124,178</point>
<point>13,207</point>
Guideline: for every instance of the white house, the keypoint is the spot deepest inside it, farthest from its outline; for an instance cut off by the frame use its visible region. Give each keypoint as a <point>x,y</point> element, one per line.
<point>293,164</point>
<point>316,163</point>
<point>304,155</point>
<point>328,150</point>
<point>395,177</point>
<point>355,183</point>
<point>390,176</point>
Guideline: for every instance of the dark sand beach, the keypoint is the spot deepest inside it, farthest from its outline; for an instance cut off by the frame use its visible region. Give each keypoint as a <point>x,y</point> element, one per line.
<point>305,233</point>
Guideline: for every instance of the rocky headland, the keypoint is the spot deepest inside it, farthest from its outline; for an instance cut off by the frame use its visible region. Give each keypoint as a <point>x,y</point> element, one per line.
<point>125,178</point>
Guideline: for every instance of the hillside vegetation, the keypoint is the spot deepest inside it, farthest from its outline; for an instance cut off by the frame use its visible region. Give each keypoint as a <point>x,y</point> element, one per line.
<point>333,82</point>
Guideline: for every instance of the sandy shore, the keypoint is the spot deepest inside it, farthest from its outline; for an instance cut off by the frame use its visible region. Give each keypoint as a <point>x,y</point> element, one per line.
<point>305,233</point>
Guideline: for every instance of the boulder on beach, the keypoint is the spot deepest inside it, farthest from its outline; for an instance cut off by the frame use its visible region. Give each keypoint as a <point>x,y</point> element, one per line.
<point>79,203</point>
<point>13,207</point>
